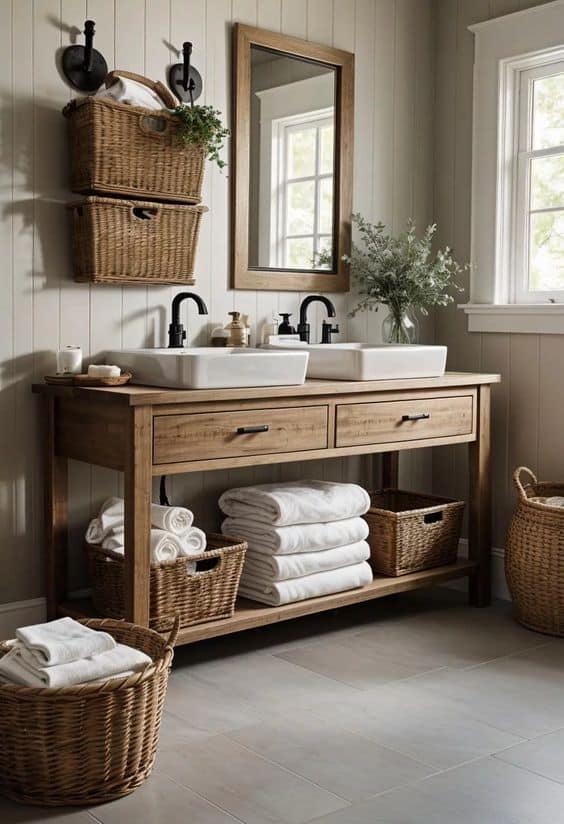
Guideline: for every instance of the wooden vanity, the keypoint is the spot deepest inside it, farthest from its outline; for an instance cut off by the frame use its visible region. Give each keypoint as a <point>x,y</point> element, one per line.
<point>143,432</point>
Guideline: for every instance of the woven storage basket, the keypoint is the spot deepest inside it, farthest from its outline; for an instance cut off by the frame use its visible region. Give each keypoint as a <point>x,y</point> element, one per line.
<point>195,598</point>
<point>534,556</point>
<point>410,531</point>
<point>124,241</point>
<point>129,151</point>
<point>89,743</point>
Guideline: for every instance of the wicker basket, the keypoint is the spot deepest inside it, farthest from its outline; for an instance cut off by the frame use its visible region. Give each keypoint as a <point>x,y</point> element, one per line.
<point>534,557</point>
<point>195,598</point>
<point>410,531</point>
<point>129,151</point>
<point>89,743</point>
<point>124,241</point>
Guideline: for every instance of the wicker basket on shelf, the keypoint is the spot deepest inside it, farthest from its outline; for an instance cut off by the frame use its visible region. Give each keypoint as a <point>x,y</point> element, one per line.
<point>130,151</point>
<point>126,241</point>
<point>534,556</point>
<point>205,595</point>
<point>411,532</point>
<point>89,743</point>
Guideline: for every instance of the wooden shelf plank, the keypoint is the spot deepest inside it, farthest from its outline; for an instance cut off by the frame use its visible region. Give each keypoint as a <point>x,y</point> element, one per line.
<point>250,614</point>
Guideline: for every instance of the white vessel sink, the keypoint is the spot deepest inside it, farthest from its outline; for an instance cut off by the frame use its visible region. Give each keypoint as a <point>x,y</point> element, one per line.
<point>211,367</point>
<point>369,362</point>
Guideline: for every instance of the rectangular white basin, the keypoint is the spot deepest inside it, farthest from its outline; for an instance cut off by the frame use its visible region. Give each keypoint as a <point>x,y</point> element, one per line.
<point>369,362</point>
<point>211,367</point>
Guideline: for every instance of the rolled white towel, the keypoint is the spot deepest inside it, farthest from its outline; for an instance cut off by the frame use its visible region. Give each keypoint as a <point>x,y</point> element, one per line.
<point>173,519</point>
<point>103,370</point>
<point>115,540</point>
<point>193,541</point>
<point>18,668</point>
<point>287,540</point>
<point>164,545</point>
<point>94,532</point>
<point>296,502</point>
<point>62,641</point>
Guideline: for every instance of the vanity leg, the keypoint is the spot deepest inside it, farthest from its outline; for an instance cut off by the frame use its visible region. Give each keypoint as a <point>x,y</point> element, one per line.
<point>479,526</point>
<point>138,494</point>
<point>390,470</point>
<point>56,516</point>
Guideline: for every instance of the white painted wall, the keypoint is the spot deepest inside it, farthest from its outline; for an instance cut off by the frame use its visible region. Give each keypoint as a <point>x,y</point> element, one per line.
<point>528,403</point>
<point>41,308</point>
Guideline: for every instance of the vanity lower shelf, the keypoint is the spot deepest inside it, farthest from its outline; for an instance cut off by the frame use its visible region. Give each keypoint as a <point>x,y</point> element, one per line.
<point>250,614</point>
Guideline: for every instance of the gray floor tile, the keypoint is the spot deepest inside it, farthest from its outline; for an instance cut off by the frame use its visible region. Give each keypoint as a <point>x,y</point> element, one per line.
<point>353,767</point>
<point>418,723</point>
<point>207,707</point>
<point>484,792</point>
<point>161,799</point>
<point>358,662</point>
<point>244,784</point>
<point>13,813</point>
<point>544,755</point>
<point>521,694</point>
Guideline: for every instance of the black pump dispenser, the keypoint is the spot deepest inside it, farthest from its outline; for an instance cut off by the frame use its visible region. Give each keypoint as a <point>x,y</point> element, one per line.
<point>286,328</point>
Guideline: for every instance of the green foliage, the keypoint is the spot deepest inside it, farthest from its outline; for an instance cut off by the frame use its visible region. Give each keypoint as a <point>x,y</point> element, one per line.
<point>402,271</point>
<point>202,126</point>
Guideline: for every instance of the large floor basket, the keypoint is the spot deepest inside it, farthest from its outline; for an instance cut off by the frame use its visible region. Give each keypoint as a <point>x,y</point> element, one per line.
<point>534,556</point>
<point>85,744</point>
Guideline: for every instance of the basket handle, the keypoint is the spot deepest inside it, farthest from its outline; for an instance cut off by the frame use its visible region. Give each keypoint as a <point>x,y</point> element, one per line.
<point>173,634</point>
<point>144,212</point>
<point>517,480</point>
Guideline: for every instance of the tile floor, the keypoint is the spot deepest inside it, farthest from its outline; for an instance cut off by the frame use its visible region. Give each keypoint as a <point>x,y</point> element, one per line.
<point>411,710</point>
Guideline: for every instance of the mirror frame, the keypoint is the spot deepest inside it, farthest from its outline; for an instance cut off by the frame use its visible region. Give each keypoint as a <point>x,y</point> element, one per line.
<point>294,280</point>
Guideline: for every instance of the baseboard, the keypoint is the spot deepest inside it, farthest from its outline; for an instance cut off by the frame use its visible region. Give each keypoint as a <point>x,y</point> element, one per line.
<point>19,614</point>
<point>499,586</point>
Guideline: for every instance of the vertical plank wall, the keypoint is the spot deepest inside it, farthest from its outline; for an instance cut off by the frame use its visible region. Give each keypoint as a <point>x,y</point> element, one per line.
<point>41,308</point>
<point>527,405</point>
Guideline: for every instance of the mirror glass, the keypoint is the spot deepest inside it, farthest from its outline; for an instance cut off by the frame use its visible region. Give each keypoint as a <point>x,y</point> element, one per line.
<point>292,199</point>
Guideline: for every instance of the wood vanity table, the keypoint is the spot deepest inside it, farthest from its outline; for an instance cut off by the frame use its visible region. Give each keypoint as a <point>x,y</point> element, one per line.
<point>145,431</point>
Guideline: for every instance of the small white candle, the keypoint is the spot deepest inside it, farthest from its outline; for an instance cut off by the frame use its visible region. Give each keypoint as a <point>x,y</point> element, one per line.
<point>69,360</point>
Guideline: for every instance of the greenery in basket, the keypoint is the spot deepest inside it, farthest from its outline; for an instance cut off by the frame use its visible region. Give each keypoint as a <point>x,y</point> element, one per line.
<point>402,272</point>
<point>202,126</point>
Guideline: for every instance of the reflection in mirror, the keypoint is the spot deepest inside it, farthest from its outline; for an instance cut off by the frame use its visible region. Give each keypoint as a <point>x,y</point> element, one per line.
<point>292,222</point>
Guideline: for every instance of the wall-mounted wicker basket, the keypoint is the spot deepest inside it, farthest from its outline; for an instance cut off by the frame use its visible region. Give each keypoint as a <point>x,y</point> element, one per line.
<point>129,151</point>
<point>194,597</point>
<point>534,556</point>
<point>132,241</point>
<point>410,532</point>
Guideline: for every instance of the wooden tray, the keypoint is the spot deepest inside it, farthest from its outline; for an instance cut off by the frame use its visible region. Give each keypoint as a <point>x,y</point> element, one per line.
<point>86,380</point>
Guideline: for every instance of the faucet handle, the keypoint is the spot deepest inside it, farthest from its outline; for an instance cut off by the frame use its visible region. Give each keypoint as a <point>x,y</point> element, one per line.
<point>327,329</point>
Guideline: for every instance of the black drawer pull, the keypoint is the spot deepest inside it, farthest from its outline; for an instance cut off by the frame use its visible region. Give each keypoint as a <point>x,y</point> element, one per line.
<point>417,416</point>
<point>248,430</point>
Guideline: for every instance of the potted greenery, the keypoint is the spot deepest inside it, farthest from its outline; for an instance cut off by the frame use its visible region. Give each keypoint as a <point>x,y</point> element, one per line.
<point>403,273</point>
<point>202,126</point>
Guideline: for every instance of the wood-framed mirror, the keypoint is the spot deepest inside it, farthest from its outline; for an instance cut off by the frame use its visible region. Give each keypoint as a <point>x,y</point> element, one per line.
<point>292,163</point>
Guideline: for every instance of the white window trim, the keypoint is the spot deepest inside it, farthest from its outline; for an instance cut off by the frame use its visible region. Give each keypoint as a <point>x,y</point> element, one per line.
<point>504,47</point>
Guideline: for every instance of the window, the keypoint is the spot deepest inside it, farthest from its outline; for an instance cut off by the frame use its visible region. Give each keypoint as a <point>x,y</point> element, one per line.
<point>302,196</point>
<point>517,237</point>
<point>538,257</point>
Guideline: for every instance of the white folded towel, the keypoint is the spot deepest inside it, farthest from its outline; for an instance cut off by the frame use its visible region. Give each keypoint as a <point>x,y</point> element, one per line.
<point>64,640</point>
<point>128,91</point>
<point>267,569</point>
<point>296,502</point>
<point>121,660</point>
<point>286,540</point>
<point>310,586</point>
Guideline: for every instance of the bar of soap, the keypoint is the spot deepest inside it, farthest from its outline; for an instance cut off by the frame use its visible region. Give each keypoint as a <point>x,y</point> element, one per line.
<point>103,370</point>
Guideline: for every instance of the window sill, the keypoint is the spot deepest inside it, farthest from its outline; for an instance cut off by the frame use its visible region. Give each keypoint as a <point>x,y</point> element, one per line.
<point>535,319</point>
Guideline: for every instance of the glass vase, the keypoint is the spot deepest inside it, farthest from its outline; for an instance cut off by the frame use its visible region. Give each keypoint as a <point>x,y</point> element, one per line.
<point>400,327</point>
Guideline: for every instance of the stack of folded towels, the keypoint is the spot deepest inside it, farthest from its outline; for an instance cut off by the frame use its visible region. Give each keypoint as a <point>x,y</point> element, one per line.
<point>305,539</point>
<point>173,534</point>
<point>63,653</point>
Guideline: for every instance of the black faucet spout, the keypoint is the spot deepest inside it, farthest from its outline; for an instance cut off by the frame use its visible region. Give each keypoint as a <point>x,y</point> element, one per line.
<point>176,331</point>
<point>304,327</point>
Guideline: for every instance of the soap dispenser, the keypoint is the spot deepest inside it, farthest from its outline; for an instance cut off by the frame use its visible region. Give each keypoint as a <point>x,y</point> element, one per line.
<point>236,330</point>
<point>286,328</point>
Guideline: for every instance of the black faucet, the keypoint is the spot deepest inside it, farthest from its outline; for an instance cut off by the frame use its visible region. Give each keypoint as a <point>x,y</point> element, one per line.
<point>176,331</point>
<point>327,329</point>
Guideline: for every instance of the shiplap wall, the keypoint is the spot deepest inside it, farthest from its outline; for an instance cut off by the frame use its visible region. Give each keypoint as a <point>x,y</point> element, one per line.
<point>41,308</point>
<point>528,404</point>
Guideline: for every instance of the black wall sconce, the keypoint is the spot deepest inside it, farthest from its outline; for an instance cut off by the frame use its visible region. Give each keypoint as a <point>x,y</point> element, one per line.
<point>184,79</point>
<point>83,66</point>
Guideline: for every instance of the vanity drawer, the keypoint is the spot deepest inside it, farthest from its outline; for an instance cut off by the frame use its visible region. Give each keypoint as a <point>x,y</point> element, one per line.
<point>208,436</point>
<point>409,420</point>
